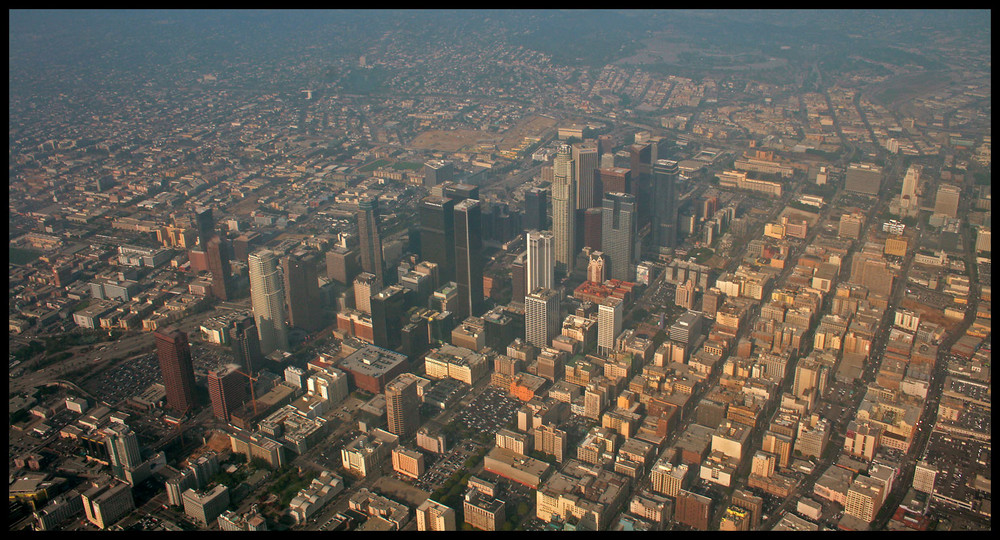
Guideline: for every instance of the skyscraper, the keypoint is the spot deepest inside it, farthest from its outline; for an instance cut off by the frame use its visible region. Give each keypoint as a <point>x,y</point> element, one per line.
<point>388,310</point>
<point>596,268</point>
<point>536,204</point>
<point>586,164</point>
<point>402,405</point>
<point>642,164</point>
<point>227,389</point>
<point>618,234</point>
<point>469,258</point>
<point>206,226</point>
<point>684,296</point>
<point>364,288</point>
<point>664,216</point>
<point>437,172</point>
<point>342,264</point>
<point>593,221</point>
<point>175,365</point>
<point>245,341</point>
<point>541,261</point>
<point>302,291</point>
<point>519,277</point>
<point>563,207</point>
<point>217,252</point>
<point>908,195</point>
<point>541,317</point>
<point>370,240</point>
<point>460,191</point>
<point>123,449</point>
<point>437,235</point>
<point>613,180</point>
<point>267,297</point>
<point>610,314</point>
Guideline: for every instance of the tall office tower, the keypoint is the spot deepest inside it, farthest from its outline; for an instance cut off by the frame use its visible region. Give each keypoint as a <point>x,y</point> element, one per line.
<point>604,144</point>
<point>218,264</point>
<point>610,316</point>
<point>499,224</point>
<point>593,221</point>
<point>947,200</point>
<point>684,296</point>
<point>810,380</point>
<point>664,216</point>
<point>908,195</point>
<point>541,317</point>
<point>613,180</point>
<point>541,260</point>
<point>245,342</point>
<point>597,267</point>
<point>607,162</point>
<point>414,338</point>
<point>123,449</point>
<point>536,205</point>
<point>402,405</point>
<point>206,226</point>
<point>586,162</point>
<point>563,207</point>
<point>370,240</point>
<point>640,156</point>
<point>388,307</point>
<point>469,258</point>
<point>364,288</point>
<point>175,365</point>
<point>267,298</point>
<point>227,389</point>
<point>618,234</point>
<point>460,191</point>
<point>302,291</point>
<point>519,278</point>
<point>437,235</point>
<point>245,244</point>
<point>342,265</point>
<point>658,148</point>
<point>437,172</point>
<point>710,301</point>
<point>687,328</point>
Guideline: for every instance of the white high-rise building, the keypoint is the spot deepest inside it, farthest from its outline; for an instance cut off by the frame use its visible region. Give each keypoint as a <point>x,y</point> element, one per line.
<point>609,324</point>
<point>123,448</point>
<point>586,163</point>
<point>908,195</point>
<point>540,271</point>
<point>267,297</point>
<point>564,206</point>
<point>541,317</point>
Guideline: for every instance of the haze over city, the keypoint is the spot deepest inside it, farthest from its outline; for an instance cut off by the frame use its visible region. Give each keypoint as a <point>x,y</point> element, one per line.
<point>499,270</point>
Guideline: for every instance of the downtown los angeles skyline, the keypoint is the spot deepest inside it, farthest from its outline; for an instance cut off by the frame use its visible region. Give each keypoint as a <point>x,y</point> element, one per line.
<point>499,270</point>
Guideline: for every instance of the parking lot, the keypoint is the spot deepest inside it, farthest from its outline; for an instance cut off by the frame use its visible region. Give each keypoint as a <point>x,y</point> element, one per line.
<point>490,412</point>
<point>126,379</point>
<point>447,465</point>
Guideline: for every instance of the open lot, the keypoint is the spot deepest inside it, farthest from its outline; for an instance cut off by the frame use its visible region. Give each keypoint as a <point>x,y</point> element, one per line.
<point>451,141</point>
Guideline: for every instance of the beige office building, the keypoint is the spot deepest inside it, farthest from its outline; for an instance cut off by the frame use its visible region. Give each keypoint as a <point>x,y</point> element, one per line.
<point>434,516</point>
